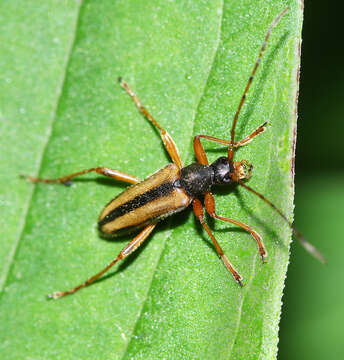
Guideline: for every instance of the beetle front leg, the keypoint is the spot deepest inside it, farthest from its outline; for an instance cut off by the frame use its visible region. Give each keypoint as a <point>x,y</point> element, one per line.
<point>199,149</point>
<point>210,207</point>
<point>247,139</point>
<point>115,174</point>
<point>130,248</point>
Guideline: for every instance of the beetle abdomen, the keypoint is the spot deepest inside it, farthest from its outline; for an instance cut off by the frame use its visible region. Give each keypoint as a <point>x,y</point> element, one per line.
<point>148,201</point>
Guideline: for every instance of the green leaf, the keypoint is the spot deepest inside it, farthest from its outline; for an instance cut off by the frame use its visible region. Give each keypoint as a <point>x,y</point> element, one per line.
<point>62,110</point>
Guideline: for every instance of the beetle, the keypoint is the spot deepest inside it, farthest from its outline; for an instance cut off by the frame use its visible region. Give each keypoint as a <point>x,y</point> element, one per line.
<point>174,187</point>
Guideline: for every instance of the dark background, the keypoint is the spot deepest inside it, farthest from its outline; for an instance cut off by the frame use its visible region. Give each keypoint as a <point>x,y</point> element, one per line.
<point>312,324</point>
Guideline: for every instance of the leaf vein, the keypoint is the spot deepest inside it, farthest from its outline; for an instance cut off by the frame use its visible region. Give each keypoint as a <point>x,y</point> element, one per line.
<point>211,65</point>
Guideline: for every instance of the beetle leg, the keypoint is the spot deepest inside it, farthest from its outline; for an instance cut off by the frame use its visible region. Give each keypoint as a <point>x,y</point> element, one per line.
<point>198,211</point>
<point>169,144</point>
<point>247,139</point>
<point>115,174</point>
<point>200,152</point>
<point>210,207</point>
<point>130,248</point>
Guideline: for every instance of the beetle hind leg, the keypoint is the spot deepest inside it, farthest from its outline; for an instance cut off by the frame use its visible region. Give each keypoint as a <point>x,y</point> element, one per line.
<point>130,248</point>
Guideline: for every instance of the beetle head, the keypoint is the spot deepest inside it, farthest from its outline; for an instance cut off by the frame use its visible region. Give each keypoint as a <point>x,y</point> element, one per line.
<point>225,171</point>
<point>242,170</point>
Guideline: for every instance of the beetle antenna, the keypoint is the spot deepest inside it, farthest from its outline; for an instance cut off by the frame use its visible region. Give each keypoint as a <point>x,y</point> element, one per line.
<point>307,245</point>
<point>262,49</point>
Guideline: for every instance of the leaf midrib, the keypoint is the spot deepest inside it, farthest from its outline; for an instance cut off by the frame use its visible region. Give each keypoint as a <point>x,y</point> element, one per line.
<point>188,153</point>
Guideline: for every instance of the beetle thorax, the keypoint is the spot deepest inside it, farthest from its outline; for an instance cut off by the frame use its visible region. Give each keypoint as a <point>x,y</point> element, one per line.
<point>196,179</point>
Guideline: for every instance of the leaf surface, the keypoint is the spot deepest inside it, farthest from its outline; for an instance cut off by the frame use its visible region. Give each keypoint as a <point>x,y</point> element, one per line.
<point>188,63</point>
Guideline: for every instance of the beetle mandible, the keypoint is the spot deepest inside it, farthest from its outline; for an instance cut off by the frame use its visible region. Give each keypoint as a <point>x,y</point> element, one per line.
<point>174,187</point>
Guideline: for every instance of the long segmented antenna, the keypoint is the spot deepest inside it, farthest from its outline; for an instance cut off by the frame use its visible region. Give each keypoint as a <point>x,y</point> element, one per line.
<point>308,246</point>
<point>262,49</point>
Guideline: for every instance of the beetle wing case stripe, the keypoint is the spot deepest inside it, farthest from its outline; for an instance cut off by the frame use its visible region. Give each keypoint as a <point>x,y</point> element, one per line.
<point>154,198</point>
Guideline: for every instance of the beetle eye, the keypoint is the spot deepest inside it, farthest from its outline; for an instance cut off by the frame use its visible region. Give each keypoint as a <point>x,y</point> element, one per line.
<point>226,178</point>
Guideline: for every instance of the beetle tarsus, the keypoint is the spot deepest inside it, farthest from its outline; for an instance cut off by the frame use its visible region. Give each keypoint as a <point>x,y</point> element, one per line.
<point>55,295</point>
<point>240,282</point>
<point>26,177</point>
<point>263,255</point>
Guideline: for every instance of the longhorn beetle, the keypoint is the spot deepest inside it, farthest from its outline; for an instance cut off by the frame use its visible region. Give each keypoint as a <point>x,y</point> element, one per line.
<point>174,187</point>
